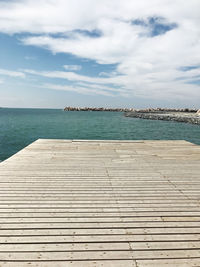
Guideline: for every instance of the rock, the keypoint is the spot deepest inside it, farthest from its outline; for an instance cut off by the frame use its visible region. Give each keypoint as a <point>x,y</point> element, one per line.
<point>198,112</point>
<point>158,110</point>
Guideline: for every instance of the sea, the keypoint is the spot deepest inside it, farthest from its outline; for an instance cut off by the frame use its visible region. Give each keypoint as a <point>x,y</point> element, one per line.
<point>20,127</point>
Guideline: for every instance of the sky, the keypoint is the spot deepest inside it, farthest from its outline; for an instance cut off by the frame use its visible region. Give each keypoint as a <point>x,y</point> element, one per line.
<point>107,53</point>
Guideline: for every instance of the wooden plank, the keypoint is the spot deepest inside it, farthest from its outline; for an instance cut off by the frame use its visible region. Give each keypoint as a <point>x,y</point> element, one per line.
<point>86,263</point>
<point>100,225</point>
<point>169,263</point>
<point>99,255</point>
<point>56,237</point>
<point>123,246</point>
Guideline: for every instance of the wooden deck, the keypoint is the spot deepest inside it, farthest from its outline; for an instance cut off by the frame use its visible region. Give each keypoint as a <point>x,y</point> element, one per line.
<point>101,203</point>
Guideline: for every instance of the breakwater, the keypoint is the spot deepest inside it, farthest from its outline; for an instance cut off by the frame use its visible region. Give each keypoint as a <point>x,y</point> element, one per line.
<point>154,110</point>
<point>183,115</point>
<point>98,109</point>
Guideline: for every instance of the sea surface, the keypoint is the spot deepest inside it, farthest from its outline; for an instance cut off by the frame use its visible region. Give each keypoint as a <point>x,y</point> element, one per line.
<point>20,127</point>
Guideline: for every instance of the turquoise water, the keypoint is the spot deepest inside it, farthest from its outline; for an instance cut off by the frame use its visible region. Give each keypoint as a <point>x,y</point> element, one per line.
<point>20,127</point>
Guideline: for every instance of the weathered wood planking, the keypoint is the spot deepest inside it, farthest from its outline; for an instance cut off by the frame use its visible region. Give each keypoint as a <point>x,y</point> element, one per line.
<point>102,203</point>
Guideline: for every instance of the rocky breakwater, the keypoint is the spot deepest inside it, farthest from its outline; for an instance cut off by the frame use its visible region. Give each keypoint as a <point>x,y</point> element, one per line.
<point>98,109</point>
<point>178,115</point>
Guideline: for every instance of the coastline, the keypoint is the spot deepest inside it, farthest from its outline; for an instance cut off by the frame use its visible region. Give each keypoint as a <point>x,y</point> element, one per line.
<point>186,116</point>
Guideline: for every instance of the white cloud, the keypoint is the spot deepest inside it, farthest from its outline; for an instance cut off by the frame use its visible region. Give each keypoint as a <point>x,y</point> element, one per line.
<point>71,76</point>
<point>72,67</point>
<point>147,66</point>
<point>12,73</point>
<point>123,84</point>
<point>83,84</point>
<point>58,16</point>
<point>100,87</point>
<point>78,89</point>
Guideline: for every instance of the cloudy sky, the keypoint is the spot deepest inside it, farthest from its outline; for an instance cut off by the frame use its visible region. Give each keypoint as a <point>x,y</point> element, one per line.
<point>118,53</point>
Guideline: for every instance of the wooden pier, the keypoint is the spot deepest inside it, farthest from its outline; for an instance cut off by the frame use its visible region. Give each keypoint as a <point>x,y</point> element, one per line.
<point>101,203</point>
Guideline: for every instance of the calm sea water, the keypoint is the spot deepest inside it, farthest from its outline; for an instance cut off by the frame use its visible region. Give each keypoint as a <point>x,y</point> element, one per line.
<point>20,127</point>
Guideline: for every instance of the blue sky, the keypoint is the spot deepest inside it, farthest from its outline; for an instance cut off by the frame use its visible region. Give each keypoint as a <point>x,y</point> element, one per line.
<point>119,54</point>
